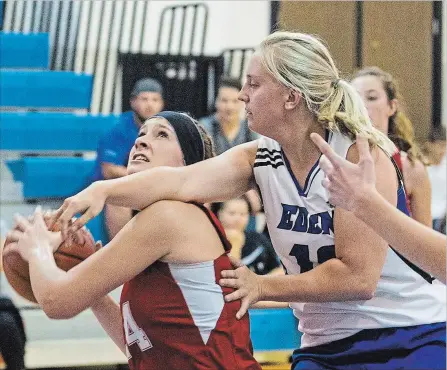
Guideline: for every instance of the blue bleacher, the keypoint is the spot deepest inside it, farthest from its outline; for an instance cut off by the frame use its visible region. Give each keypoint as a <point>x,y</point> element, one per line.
<point>51,177</point>
<point>45,89</point>
<point>56,177</point>
<point>35,131</point>
<point>24,51</point>
<point>27,84</point>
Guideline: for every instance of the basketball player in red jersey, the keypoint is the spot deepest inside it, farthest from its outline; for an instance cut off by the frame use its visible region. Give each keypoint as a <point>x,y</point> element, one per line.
<point>169,258</point>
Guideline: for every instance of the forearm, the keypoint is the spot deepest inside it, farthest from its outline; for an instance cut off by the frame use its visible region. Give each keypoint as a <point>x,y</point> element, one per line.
<point>46,279</point>
<point>331,281</point>
<point>269,304</point>
<point>108,314</point>
<point>139,190</point>
<point>420,244</point>
<point>112,171</point>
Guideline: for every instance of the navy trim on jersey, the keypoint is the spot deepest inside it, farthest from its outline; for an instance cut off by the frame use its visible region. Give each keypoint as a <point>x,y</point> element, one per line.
<point>310,176</point>
<point>311,181</point>
<point>301,192</point>
<point>402,206</point>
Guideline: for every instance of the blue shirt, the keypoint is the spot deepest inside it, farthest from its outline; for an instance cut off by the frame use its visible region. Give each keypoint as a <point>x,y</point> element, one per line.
<point>115,146</point>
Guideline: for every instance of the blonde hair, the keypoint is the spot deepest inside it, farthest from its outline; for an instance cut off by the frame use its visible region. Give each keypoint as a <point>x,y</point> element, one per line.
<point>302,62</point>
<point>400,128</point>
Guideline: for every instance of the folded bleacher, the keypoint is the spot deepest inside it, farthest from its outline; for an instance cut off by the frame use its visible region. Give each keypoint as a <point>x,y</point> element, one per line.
<point>24,51</point>
<point>45,89</point>
<point>44,117</point>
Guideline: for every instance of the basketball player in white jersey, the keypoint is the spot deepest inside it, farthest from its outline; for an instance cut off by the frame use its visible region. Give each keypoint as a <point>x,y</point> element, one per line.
<point>360,304</point>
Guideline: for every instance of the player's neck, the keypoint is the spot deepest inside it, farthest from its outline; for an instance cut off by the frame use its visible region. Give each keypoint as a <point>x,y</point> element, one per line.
<point>297,145</point>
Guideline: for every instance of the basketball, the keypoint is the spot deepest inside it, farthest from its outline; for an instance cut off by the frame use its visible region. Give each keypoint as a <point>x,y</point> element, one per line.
<point>17,270</point>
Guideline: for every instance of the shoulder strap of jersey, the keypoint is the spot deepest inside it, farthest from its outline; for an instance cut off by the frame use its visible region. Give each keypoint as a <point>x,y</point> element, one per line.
<point>396,160</point>
<point>217,225</point>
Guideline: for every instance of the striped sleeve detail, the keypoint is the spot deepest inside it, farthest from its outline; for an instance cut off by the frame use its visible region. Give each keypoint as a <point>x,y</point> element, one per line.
<point>268,157</point>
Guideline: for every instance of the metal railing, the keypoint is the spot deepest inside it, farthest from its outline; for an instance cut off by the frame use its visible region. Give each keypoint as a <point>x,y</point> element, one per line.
<point>89,36</point>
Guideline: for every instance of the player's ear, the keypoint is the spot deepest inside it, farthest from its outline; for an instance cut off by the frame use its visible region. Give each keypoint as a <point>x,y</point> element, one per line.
<point>293,98</point>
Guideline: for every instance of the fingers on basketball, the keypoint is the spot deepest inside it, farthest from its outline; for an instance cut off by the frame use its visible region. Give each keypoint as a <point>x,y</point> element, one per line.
<point>66,257</point>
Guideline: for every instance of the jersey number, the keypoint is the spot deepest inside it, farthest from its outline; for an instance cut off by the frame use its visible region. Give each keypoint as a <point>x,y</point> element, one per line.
<point>301,253</point>
<point>133,333</point>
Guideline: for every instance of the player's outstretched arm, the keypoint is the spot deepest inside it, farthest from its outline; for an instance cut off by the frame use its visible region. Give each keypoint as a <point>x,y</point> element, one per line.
<point>63,294</point>
<point>220,178</point>
<point>351,186</point>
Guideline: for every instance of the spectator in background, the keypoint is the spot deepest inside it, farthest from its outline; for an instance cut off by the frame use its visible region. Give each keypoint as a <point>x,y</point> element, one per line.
<point>228,128</point>
<point>113,150</point>
<point>254,249</point>
<point>380,94</point>
<point>436,151</point>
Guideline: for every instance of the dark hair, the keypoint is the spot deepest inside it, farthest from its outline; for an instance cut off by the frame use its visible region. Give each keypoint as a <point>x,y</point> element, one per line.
<point>227,81</point>
<point>207,141</point>
<point>217,207</point>
<point>400,128</point>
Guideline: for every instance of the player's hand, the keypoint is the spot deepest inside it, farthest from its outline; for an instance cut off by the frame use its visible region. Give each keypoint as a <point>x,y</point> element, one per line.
<point>32,235</point>
<point>346,183</point>
<point>246,284</point>
<point>89,202</point>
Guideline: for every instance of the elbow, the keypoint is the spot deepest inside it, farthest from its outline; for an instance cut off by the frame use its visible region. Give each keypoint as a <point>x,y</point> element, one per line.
<point>58,312</point>
<point>56,309</point>
<point>366,294</point>
<point>365,289</point>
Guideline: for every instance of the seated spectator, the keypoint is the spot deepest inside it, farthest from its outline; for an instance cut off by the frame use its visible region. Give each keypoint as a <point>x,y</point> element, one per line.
<point>254,249</point>
<point>113,150</point>
<point>436,151</point>
<point>226,126</point>
<point>12,331</point>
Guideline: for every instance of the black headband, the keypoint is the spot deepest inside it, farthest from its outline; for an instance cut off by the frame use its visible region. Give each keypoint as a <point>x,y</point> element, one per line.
<point>188,135</point>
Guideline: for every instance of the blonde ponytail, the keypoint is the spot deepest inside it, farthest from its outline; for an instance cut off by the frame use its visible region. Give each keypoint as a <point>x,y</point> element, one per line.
<point>345,112</point>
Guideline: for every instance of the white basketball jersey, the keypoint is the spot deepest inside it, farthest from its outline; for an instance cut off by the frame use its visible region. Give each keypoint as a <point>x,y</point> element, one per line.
<point>302,232</point>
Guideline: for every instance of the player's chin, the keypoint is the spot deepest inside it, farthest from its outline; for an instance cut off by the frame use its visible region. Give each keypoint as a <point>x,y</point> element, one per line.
<point>137,166</point>
<point>252,124</point>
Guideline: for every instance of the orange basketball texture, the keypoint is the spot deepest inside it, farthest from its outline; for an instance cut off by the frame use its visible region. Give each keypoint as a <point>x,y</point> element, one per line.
<point>66,257</point>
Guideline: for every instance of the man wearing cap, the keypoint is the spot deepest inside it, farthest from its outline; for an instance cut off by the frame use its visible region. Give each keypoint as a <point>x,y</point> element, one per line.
<point>113,150</point>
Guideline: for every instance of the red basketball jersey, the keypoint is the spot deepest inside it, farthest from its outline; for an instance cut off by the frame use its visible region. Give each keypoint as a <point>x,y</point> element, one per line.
<point>175,317</point>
